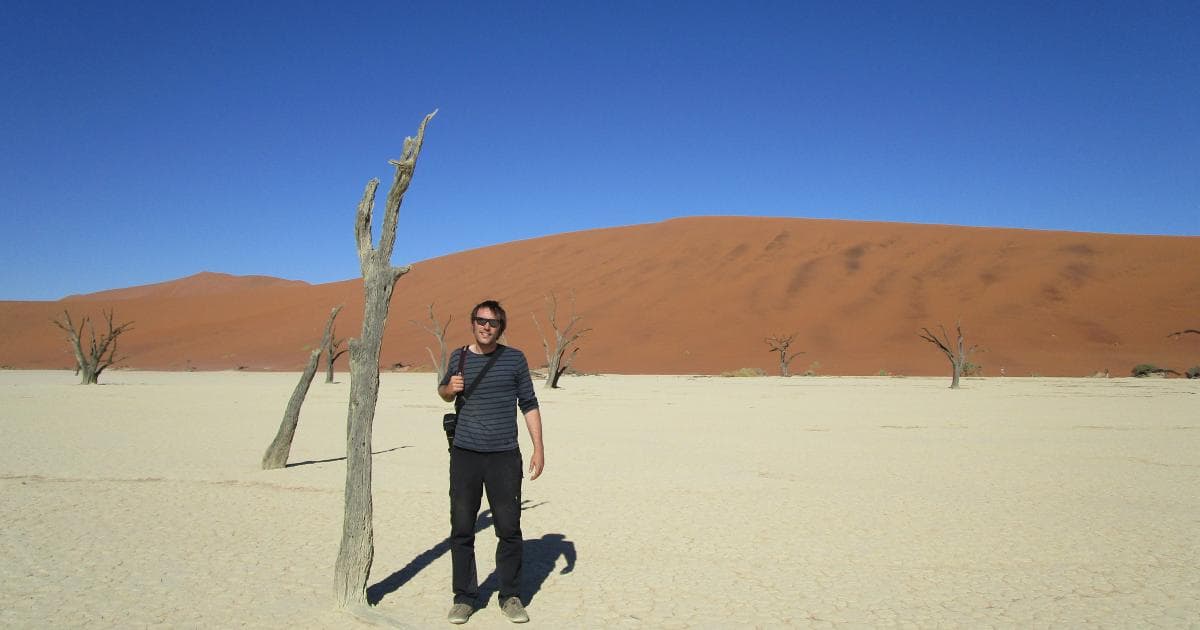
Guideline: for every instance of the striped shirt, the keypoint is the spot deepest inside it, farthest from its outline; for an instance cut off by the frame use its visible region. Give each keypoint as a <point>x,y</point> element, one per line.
<point>487,421</point>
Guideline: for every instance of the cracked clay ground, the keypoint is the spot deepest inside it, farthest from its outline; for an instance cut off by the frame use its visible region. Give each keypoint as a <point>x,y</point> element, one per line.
<point>667,502</point>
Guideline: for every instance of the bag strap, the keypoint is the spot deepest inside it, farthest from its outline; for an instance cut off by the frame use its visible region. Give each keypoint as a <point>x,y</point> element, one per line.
<point>460,400</point>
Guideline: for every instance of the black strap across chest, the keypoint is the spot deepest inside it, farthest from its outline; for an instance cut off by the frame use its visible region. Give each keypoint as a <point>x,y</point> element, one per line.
<point>460,400</point>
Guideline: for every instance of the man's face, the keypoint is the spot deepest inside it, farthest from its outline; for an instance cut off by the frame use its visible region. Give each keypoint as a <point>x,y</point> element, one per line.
<point>488,332</point>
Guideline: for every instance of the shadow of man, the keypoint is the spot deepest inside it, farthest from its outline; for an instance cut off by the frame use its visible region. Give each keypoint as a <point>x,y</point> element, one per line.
<point>539,559</point>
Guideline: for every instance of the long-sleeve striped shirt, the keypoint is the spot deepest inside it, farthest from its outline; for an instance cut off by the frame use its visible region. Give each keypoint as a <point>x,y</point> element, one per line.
<point>487,421</point>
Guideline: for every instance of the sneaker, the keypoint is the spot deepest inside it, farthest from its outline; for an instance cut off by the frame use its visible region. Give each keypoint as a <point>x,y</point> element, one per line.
<point>460,613</point>
<point>514,610</point>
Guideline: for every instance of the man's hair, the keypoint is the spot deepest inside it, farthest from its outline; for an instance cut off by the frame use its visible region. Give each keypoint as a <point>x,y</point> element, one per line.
<point>496,309</point>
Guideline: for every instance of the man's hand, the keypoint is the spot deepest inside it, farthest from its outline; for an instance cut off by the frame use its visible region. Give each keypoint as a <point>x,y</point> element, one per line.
<point>452,388</point>
<point>536,463</point>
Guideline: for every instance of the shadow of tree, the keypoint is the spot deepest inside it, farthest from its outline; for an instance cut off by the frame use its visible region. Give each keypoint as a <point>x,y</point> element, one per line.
<point>342,458</point>
<point>376,592</point>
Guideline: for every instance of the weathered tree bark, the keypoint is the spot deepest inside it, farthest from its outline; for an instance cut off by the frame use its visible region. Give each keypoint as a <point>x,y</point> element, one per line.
<point>101,352</point>
<point>357,548</point>
<point>333,351</point>
<point>277,453</point>
<point>780,344</point>
<point>555,367</point>
<point>956,354</point>
<point>439,333</point>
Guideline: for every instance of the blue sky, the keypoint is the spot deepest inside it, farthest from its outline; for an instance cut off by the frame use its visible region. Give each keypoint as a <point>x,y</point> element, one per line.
<point>141,142</point>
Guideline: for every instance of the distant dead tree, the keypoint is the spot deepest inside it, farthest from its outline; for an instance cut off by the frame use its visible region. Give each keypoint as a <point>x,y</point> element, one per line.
<point>333,351</point>
<point>563,338</point>
<point>955,353</point>
<point>439,333</point>
<point>101,351</point>
<point>277,453</point>
<point>357,548</point>
<point>780,344</point>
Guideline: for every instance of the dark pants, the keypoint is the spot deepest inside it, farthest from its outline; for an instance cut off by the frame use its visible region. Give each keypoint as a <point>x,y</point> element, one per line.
<point>471,473</point>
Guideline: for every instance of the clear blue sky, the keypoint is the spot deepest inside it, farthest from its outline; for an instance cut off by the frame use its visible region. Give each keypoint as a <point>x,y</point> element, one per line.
<point>141,142</point>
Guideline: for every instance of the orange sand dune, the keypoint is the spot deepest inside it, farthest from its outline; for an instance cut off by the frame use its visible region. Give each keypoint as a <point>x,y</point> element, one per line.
<point>698,295</point>
<point>203,283</point>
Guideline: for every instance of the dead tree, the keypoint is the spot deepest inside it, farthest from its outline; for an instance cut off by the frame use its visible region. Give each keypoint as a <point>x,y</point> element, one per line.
<point>563,338</point>
<point>439,333</point>
<point>1179,333</point>
<point>333,351</point>
<point>956,354</point>
<point>277,453</point>
<point>780,344</point>
<point>101,351</point>
<point>357,548</point>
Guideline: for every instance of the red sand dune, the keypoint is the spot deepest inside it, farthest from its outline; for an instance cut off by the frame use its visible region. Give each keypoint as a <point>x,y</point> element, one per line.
<point>698,296</point>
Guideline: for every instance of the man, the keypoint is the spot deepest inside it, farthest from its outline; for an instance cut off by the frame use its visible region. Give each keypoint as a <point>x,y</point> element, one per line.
<point>485,456</point>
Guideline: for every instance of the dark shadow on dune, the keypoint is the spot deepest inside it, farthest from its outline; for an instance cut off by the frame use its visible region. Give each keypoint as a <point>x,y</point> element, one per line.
<point>376,592</point>
<point>338,459</point>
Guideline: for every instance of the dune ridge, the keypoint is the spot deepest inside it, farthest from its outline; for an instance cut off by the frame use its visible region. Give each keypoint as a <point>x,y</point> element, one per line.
<point>698,295</point>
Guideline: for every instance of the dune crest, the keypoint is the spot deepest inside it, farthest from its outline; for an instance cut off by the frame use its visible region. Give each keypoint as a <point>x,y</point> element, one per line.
<point>699,295</point>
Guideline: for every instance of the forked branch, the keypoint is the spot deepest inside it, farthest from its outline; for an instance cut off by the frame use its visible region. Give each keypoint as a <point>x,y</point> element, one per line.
<point>439,333</point>
<point>955,352</point>
<point>781,344</point>
<point>563,339</point>
<point>101,351</point>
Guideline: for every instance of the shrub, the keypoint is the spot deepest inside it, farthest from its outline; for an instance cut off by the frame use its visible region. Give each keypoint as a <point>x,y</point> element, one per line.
<point>1143,369</point>
<point>1147,369</point>
<point>972,369</point>
<point>741,372</point>
<point>1193,372</point>
<point>812,368</point>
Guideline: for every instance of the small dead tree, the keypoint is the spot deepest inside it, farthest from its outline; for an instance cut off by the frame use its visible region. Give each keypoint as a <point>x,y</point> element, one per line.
<point>333,351</point>
<point>357,548</point>
<point>277,453</point>
<point>780,344</point>
<point>439,333</point>
<point>1179,333</point>
<point>563,338</point>
<point>101,352</point>
<point>955,353</point>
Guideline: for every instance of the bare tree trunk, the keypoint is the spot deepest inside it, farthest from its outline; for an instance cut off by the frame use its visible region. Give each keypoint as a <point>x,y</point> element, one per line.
<point>277,453</point>
<point>954,353</point>
<point>332,353</point>
<point>357,548</point>
<point>780,344</point>
<point>439,333</point>
<point>101,352</point>
<point>563,339</point>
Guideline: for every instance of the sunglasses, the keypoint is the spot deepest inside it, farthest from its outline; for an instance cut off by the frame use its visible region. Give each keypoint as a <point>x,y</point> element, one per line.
<point>484,321</point>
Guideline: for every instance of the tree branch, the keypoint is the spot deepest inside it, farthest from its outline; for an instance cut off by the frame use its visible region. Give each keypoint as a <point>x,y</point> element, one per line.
<point>362,225</point>
<point>931,338</point>
<point>405,167</point>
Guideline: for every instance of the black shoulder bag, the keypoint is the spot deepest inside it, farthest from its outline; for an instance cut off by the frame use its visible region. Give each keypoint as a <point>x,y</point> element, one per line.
<point>450,420</point>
